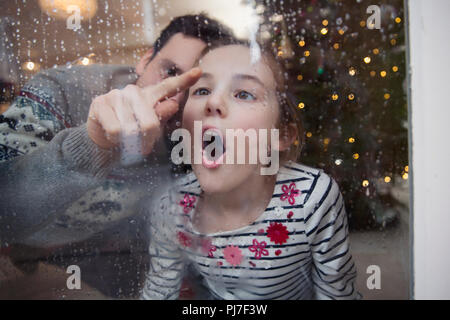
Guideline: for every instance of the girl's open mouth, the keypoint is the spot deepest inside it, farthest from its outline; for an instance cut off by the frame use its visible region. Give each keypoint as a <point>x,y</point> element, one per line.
<point>213,147</point>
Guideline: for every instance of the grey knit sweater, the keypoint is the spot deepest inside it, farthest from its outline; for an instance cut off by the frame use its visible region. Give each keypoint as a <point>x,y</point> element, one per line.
<point>56,186</point>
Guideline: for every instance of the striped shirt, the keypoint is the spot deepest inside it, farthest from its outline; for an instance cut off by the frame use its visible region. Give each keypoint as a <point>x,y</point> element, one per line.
<point>297,248</point>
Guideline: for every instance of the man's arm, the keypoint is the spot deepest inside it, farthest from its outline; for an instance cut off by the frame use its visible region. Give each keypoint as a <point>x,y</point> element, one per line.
<point>44,167</point>
<point>39,184</point>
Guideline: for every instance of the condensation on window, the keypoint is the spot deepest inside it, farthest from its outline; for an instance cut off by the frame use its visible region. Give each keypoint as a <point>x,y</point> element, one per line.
<point>346,67</point>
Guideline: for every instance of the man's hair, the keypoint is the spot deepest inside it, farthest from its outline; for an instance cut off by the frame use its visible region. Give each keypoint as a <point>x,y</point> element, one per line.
<point>198,26</point>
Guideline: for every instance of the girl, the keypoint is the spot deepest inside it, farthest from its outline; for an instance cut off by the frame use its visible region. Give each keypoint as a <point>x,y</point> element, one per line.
<point>250,236</point>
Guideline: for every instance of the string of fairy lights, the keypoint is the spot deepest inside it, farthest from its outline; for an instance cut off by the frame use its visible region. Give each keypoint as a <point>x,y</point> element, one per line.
<point>335,96</point>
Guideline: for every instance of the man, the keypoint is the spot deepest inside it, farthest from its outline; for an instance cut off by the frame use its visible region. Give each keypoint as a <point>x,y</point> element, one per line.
<point>64,178</point>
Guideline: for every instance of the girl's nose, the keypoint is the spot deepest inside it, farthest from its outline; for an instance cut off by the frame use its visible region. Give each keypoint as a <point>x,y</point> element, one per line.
<point>215,106</point>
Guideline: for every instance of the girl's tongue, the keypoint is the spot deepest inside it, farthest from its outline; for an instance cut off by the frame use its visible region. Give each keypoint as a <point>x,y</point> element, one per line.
<point>213,148</point>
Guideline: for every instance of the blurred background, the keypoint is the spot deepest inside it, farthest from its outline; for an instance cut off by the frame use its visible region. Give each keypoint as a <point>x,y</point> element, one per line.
<point>348,79</point>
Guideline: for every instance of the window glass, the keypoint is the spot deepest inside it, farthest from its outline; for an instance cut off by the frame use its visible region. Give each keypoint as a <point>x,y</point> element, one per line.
<point>346,65</point>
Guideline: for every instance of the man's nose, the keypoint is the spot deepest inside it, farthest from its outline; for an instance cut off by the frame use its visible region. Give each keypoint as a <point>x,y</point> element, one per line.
<point>216,106</point>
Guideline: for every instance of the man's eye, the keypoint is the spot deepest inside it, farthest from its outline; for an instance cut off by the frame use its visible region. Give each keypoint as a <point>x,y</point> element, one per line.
<point>172,72</point>
<point>201,92</point>
<point>244,95</point>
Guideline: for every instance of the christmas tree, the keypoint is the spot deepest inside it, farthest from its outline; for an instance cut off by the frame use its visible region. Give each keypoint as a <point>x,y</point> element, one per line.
<point>348,83</point>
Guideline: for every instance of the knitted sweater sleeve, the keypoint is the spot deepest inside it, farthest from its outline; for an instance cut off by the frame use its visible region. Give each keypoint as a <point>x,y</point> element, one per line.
<point>41,157</point>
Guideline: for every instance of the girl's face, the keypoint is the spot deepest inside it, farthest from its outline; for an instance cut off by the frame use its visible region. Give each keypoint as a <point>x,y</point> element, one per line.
<point>234,94</point>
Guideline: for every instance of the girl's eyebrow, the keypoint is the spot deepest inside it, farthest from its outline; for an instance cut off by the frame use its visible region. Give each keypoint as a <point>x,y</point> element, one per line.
<point>248,77</point>
<point>206,75</point>
<point>238,76</point>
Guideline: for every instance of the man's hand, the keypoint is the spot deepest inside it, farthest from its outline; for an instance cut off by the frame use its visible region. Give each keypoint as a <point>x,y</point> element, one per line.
<point>133,115</point>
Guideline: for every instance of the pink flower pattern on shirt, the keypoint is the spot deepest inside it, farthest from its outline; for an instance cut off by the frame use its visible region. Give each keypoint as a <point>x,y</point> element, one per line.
<point>187,203</point>
<point>233,255</point>
<point>184,239</point>
<point>259,248</point>
<point>208,248</point>
<point>289,193</point>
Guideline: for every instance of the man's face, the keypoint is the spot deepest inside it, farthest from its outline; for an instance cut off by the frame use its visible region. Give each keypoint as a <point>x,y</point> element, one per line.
<point>177,56</point>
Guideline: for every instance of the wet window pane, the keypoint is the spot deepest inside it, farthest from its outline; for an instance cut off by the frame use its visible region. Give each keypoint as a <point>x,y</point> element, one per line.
<point>75,214</point>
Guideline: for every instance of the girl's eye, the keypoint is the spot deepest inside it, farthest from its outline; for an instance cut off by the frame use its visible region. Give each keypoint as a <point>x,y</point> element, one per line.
<point>244,95</point>
<point>201,92</point>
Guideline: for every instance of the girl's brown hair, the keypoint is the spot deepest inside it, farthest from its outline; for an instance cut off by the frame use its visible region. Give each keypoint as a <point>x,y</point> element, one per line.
<point>289,113</point>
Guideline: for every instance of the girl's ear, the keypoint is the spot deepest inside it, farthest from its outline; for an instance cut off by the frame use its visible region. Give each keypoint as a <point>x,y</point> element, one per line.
<point>288,134</point>
<point>142,64</point>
